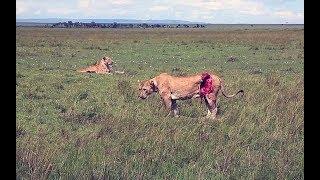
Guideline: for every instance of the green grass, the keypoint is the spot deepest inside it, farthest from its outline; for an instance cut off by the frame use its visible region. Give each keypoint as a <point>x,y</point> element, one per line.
<point>81,126</point>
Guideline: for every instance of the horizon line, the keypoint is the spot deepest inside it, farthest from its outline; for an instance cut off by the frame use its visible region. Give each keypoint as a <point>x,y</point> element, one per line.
<point>148,20</point>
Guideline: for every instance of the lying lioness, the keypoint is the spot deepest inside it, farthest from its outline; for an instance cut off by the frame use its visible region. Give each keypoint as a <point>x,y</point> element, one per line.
<point>103,66</point>
<point>173,88</point>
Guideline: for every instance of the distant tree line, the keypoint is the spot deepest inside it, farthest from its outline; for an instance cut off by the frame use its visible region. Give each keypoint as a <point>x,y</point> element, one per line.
<point>71,24</point>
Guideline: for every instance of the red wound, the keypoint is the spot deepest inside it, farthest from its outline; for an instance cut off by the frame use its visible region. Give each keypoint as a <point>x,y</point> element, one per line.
<point>206,86</point>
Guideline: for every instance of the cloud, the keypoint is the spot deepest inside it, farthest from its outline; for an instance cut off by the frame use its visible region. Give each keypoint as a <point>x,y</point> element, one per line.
<point>289,15</point>
<point>158,8</point>
<point>207,17</point>
<point>84,3</point>
<point>37,12</point>
<point>300,15</point>
<point>96,8</point>
<point>21,7</point>
<point>30,9</point>
<point>121,2</point>
<point>61,10</point>
<point>178,14</point>
<point>195,10</point>
<point>102,4</point>
<point>236,5</point>
<point>250,7</point>
<point>284,14</point>
<point>200,15</point>
<point>253,11</point>
<point>227,11</point>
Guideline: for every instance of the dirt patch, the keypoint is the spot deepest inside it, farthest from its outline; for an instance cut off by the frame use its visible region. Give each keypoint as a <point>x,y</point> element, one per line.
<point>272,81</point>
<point>126,90</point>
<point>35,96</point>
<point>20,132</point>
<point>255,71</point>
<point>83,95</point>
<point>131,73</point>
<point>18,75</point>
<point>232,59</point>
<point>177,72</point>
<point>81,118</point>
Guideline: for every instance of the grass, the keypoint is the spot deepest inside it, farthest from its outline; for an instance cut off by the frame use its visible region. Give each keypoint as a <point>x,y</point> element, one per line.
<point>81,126</point>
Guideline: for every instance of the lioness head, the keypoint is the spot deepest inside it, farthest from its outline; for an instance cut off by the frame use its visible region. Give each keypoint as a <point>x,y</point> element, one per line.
<point>108,62</point>
<point>146,88</point>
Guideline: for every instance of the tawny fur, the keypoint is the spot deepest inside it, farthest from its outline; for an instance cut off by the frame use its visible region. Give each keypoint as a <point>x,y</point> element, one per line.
<point>103,66</point>
<point>172,88</point>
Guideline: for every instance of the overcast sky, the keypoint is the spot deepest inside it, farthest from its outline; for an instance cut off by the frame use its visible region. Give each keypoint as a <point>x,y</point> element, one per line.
<point>210,11</point>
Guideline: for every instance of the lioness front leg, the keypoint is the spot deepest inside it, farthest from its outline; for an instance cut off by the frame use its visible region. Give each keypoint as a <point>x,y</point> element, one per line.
<point>211,102</point>
<point>104,72</point>
<point>170,104</point>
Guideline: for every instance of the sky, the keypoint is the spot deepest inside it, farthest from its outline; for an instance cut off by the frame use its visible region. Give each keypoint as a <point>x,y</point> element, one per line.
<point>208,11</point>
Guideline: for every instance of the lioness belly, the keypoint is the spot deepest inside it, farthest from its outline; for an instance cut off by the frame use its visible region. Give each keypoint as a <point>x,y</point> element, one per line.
<point>175,96</point>
<point>184,89</point>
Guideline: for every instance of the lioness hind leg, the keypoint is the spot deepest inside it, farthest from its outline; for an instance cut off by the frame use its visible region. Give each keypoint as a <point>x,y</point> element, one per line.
<point>211,104</point>
<point>212,113</point>
<point>174,107</point>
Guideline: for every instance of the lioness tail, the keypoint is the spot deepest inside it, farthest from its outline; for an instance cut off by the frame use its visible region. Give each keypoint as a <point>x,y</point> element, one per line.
<point>229,96</point>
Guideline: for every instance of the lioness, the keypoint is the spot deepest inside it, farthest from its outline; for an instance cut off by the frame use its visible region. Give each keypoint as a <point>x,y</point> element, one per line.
<point>103,66</point>
<point>171,88</point>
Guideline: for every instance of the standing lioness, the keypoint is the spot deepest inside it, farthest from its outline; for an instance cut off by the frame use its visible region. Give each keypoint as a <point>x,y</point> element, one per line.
<point>173,88</point>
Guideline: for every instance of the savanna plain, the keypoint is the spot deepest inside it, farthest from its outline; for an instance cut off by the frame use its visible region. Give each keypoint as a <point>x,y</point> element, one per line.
<point>91,126</point>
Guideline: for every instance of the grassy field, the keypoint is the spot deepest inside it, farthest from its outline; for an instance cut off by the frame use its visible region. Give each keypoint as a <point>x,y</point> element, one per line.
<point>82,126</point>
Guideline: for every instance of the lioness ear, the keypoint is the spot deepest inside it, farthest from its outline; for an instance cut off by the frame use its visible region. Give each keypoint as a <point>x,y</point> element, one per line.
<point>153,82</point>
